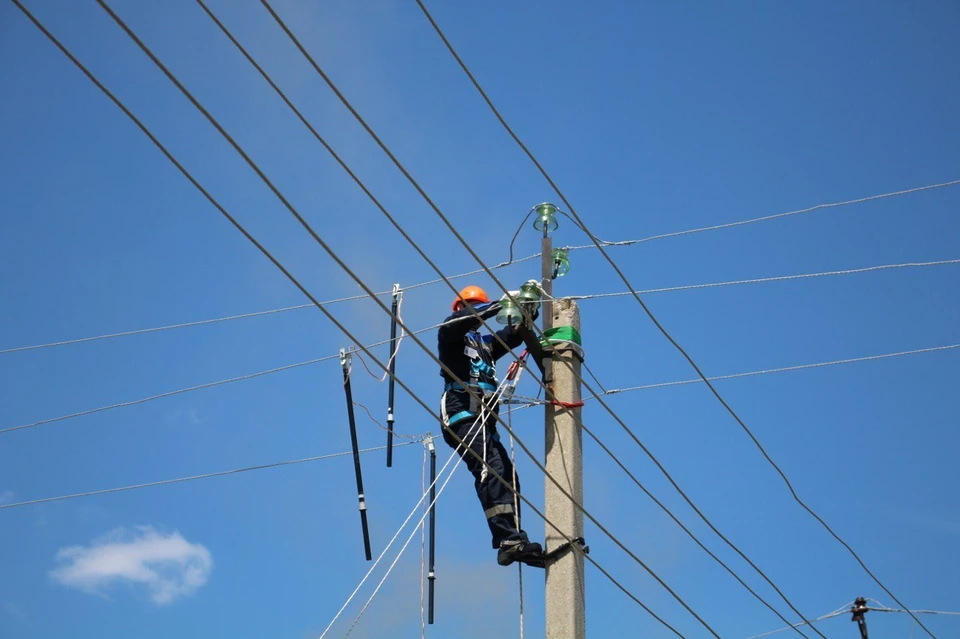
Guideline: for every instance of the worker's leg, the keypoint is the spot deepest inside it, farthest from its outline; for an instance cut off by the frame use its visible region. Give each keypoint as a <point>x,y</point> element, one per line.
<point>495,497</point>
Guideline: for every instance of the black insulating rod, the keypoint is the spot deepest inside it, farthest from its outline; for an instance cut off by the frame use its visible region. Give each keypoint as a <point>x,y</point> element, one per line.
<point>392,367</point>
<point>431,575</point>
<point>345,364</point>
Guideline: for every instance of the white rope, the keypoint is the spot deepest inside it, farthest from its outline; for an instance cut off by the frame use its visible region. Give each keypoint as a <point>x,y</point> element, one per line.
<point>395,536</point>
<point>516,499</point>
<point>389,544</point>
<point>769,217</point>
<point>497,394</point>
<point>761,280</point>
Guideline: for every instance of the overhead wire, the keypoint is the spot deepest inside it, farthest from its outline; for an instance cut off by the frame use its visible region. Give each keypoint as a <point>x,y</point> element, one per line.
<point>843,610</point>
<point>178,480</point>
<point>784,369</point>
<point>334,88</point>
<point>262,249</point>
<point>650,314</point>
<point>466,245</point>
<point>668,289</point>
<point>762,280</point>
<point>765,218</point>
<point>18,4</point>
<point>371,196</point>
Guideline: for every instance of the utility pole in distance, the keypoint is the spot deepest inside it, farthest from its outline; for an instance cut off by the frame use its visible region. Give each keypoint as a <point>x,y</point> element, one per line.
<point>565,614</point>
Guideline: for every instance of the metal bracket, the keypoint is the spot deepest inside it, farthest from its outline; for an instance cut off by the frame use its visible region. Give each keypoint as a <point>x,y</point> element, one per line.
<point>559,552</point>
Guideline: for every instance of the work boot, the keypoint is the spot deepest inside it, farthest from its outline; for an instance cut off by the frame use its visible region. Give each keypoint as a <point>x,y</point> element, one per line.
<point>527,552</point>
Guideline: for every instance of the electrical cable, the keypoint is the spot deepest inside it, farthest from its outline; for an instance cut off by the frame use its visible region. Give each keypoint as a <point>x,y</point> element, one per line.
<point>369,130</point>
<point>267,254</point>
<point>656,322</point>
<point>836,613</point>
<point>852,360</point>
<point>446,221</point>
<point>669,289</point>
<point>178,480</point>
<point>333,87</point>
<point>764,218</point>
<point>761,280</point>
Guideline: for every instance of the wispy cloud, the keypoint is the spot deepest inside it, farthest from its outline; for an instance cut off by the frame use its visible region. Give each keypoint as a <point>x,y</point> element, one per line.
<point>167,566</point>
<point>7,496</point>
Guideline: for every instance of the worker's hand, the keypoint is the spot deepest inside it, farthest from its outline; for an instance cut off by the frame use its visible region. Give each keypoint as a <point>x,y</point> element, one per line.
<point>486,311</point>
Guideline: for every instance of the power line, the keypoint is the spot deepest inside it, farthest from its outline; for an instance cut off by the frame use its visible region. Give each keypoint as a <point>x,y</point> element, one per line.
<point>254,166</point>
<point>653,318</point>
<point>178,480</point>
<point>762,280</point>
<point>580,223</point>
<point>919,612</point>
<point>784,369</point>
<point>262,249</point>
<point>166,394</point>
<point>836,613</point>
<point>765,218</point>
<point>453,230</point>
<point>669,289</point>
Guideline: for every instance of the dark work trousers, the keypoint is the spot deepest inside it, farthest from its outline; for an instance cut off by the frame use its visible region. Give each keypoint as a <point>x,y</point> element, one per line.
<point>496,498</point>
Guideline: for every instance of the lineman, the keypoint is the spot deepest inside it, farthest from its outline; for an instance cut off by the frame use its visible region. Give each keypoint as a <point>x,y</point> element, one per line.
<point>471,357</point>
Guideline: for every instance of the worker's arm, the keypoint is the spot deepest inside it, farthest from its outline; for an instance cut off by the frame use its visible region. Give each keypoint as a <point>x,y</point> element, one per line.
<point>511,336</point>
<point>465,320</point>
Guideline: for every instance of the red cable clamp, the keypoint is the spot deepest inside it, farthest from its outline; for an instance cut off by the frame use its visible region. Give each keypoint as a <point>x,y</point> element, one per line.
<point>557,402</point>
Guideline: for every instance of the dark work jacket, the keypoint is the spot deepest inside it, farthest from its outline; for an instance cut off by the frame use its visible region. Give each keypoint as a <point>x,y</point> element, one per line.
<point>469,354</point>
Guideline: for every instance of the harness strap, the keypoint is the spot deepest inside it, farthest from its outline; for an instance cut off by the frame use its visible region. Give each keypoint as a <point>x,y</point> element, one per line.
<point>457,386</point>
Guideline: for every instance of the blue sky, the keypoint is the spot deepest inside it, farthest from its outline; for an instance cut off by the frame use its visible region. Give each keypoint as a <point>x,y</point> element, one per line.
<point>653,117</point>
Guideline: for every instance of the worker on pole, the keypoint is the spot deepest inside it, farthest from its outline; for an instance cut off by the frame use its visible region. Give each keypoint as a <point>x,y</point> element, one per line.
<point>469,422</point>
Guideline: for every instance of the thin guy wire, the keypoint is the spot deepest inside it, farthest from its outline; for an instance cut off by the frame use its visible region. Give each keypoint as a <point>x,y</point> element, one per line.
<point>852,360</point>
<point>653,318</point>
<point>794,626</point>
<point>178,480</point>
<point>462,241</point>
<point>919,612</point>
<point>761,280</point>
<point>198,387</point>
<point>169,327</point>
<point>669,289</point>
<point>765,218</point>
<point>289,276</point>
<point>164,395</point>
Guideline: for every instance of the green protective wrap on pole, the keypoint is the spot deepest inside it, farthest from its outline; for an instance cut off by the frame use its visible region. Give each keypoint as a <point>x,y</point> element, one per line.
<point>561,337</point>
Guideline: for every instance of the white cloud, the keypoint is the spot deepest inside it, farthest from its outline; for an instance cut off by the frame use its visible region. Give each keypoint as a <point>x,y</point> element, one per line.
<point>166,566</point>
<point>7,496</point>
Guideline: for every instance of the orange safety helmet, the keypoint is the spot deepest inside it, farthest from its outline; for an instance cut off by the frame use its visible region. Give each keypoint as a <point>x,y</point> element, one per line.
<point>470,294</point>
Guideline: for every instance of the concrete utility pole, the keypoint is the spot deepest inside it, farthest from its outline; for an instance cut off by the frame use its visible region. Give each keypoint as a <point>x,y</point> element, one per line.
<point>565,611</point>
